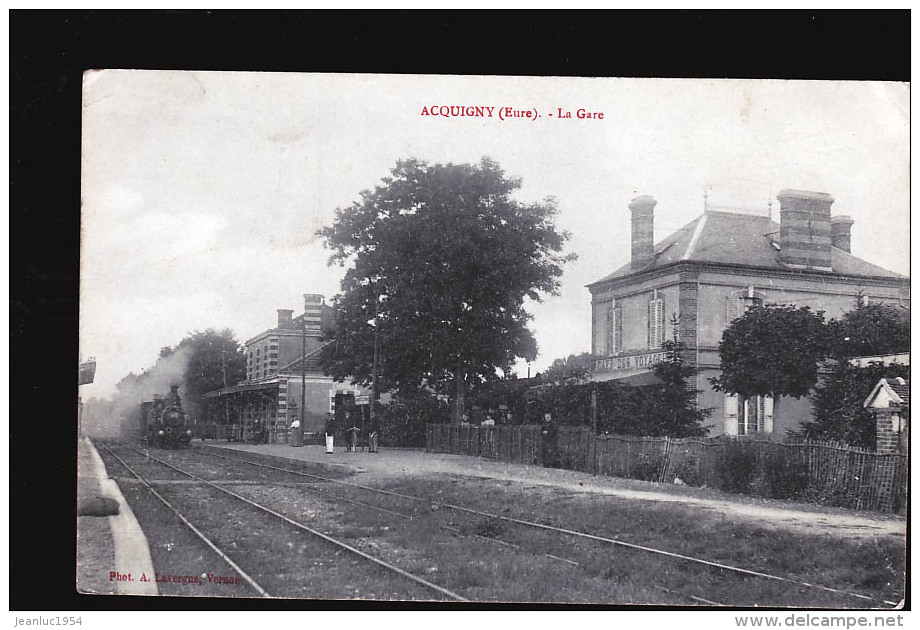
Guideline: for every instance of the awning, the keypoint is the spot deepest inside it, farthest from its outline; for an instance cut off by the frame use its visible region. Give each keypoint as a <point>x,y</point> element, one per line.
<point>245,387</point>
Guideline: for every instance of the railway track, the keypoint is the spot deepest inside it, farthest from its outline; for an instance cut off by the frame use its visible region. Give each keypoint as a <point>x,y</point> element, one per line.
<point>414,511</point>
<point>386,567</point>
<point>720,566</point>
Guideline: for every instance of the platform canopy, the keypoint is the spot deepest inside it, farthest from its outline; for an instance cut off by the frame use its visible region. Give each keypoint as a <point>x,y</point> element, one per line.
<point>261,388</point>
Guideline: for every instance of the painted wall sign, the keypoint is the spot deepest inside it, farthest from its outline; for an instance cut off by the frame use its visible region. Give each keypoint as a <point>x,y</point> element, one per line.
<point>632,362</point>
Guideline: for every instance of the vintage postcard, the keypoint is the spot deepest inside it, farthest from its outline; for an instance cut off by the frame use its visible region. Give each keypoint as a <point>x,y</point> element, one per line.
<point>630,342</point>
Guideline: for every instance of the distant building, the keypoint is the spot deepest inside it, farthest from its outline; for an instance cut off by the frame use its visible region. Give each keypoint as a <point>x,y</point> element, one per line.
<point>284,380</point>
<point>708,273</point>
<point>885,359</point>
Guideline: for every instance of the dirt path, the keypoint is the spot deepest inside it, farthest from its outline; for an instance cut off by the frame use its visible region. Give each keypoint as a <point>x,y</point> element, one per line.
<point>795,517</point>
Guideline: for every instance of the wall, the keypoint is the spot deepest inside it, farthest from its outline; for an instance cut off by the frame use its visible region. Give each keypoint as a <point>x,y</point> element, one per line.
<point>833,296</point>
<point>633,302</point>
<point>318,399</point>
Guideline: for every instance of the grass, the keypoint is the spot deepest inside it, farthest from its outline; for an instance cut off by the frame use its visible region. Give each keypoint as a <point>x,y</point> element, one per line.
<point>459,551</point>
<point>872,566</point>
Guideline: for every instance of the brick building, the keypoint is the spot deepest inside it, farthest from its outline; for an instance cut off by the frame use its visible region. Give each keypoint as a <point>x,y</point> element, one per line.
<point>284,380</point>
<point>707,273</point>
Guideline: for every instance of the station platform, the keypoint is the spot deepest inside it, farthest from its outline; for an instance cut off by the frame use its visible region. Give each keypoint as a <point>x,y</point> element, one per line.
<point>109,538</point>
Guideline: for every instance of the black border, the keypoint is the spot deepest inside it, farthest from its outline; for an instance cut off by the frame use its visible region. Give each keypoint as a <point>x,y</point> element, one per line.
<point>50,50</point>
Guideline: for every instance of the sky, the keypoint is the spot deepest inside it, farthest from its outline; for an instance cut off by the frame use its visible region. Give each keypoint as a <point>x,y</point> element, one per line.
<point>202,191</point>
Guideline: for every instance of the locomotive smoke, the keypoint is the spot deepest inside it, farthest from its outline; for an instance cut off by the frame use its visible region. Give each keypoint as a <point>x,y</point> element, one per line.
<point>117,416</point>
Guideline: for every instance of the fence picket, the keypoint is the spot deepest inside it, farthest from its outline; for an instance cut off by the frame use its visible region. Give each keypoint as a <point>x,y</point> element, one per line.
<point>837,474</point>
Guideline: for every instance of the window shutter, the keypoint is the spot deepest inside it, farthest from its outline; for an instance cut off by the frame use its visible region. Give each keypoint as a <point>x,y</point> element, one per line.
<point>655,323</point>
<point>611,326</point>
<point>731,414</point>
<point>614,328</point>
<point>651,324</point>
<point>600,321</point>
<point>768,414</point>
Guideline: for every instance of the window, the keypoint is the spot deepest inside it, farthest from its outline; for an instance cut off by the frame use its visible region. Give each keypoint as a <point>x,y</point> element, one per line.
<point>655,321</point>
<point>599,328</point>
<point>614,329</point>
<point>747,416</point>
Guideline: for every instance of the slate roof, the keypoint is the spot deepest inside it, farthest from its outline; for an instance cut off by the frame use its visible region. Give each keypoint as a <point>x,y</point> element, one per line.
<point>738,239</point>
<point>901,387</point>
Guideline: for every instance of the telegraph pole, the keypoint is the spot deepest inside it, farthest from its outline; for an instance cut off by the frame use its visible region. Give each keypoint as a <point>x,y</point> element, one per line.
<point>223,369</point>
<point>303,369</point>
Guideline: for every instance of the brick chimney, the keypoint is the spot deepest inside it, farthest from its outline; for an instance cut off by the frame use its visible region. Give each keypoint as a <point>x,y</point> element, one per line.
<point>313,311</point>
<point>284,318</point>
<point>840,232</point>
<point>643,236</point>
<point>805,229</point>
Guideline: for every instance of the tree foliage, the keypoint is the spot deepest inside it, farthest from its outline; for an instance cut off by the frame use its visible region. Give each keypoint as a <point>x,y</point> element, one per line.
<point>782,350</point>
<point>572,369</point>
<point>197,364</point>
<point>441,262</point>
<point>871,329</point>
<point>838,413</point>
<point>772,350</point>
<point>673,405</point>
<point>215,359</point>
<point>664,408</point>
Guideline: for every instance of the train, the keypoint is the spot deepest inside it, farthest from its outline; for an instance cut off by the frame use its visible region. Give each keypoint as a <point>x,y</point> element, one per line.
<point>163,422</point>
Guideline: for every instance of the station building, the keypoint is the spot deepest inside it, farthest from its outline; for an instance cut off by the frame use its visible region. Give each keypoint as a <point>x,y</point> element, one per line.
<point>284,379</point>
<point>706,274</point>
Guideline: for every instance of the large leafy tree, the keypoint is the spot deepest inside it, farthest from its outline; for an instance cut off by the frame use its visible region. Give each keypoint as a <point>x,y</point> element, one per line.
<point>871,329</point>
<point>441,263</point>
<point>772,350</point>
<point>214,358</point>
<point>198,364</point>
<point>867,330</point>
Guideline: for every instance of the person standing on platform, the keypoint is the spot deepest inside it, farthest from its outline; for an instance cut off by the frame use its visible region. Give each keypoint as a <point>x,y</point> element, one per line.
<point>296,436</point>
<point>330,433</point>
<point>352,439</point>
<point>549,442</point>
<point>488,426</point>
<point>374,428</point>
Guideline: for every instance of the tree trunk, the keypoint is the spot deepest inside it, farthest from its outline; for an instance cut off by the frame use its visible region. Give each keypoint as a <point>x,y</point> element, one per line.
<point>456,415</point>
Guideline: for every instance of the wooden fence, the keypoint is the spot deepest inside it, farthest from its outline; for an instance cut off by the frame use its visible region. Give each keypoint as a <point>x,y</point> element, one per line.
<point>812,471</point>
<point>514,444</point>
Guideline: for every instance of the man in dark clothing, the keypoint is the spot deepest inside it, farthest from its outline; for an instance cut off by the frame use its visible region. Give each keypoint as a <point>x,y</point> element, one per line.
<point>549,442</point>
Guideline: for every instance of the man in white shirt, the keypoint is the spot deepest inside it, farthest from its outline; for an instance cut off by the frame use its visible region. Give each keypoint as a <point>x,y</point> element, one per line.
<point>296,437</point>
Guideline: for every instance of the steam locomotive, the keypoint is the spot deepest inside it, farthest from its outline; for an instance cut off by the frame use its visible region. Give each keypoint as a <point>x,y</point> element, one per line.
<point>164,424</point>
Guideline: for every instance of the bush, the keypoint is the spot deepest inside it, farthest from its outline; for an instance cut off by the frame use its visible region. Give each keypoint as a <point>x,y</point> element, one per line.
<point>736,470</point>
<point>834,496</point>
<point>688,470</point>
<point>648,467</point>
<point>403,424</point>
<point>784,478</point>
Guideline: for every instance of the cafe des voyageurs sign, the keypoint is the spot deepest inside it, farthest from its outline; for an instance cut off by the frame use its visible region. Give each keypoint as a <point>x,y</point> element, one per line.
<point>631,362</point>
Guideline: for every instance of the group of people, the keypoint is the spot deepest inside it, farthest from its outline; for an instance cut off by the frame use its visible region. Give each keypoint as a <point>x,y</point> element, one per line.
<point>351,434</point>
